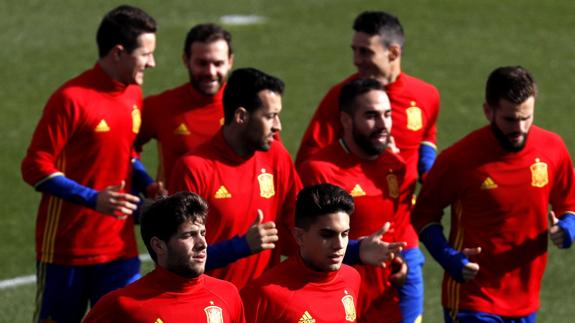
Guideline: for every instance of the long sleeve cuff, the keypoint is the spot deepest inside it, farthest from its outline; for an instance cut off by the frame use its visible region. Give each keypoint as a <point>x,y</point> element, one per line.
<point>567,223</point>
<point>140,177</point>
<point>450,259</point>
<point>352,256</point>
<point>63,187</point>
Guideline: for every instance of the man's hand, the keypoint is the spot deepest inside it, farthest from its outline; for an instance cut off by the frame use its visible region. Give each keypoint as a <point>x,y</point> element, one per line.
<point>262,236</point>
<point>556,233</point>
<point>374,251</point>
<point>156,190</point>
<point>470,270</point>
<point>398,272</point>
<point>120,205</point>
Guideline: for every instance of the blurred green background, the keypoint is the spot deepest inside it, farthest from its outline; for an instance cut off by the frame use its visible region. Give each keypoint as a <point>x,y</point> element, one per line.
<point>452,44</point>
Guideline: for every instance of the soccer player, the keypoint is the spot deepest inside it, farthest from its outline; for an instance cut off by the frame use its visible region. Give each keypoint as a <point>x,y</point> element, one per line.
<point>173,229</point>
<point>80,159</point>
<point>499,181</point>
<point>243,172</point>
<point>183,118</point>
<point>362,163</point>
<point>313,286</point>
<point>377,47</point>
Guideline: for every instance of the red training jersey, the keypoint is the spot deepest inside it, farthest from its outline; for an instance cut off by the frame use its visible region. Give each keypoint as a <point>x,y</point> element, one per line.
<point>414,111</point>
<point>292,292</point>
<point>377,189</point>
<point>162,296</point>
<point>499,202</point>
<point>235,188</point>
<point>86,133</point>
<point>180,119</point>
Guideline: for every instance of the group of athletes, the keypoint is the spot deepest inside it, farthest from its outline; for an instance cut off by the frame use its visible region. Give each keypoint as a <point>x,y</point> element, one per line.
<point>228,200</point>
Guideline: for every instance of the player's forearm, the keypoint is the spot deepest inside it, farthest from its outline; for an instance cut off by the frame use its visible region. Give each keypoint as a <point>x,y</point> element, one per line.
<point>427,156</point>
<point>225,252</point>
<point>140,177</point>
<point>567,223</point>
<point>450,259</point>
<point>59,185</point>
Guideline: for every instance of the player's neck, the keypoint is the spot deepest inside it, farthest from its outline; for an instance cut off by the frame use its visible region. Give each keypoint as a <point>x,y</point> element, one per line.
<point>235,140</point>
<point>351,146</point>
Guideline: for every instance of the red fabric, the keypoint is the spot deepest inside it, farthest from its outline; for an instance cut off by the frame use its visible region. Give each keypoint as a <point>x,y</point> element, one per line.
<point>86,132</point>
<point>372,183</point>
<point>235,188</point>
<point>180,119</point>
<point>162,296</point>
<point>499,202</point>
<point>290,290</point>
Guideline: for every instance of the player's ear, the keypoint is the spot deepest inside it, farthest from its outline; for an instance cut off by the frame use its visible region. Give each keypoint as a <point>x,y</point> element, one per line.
<point>159,246</point>
<point>394,52</point>
<point>488,111</point>
<point>298,235</point>
<point>186,60</point>
<point>346,120</point>
<point>241,115</point>
<point>116,51</point>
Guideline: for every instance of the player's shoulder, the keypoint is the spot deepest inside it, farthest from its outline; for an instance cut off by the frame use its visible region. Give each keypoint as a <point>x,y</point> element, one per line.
<point>219,285</point>
<point>347,272</point>
<point>418,83</point>
<point>164,99</point>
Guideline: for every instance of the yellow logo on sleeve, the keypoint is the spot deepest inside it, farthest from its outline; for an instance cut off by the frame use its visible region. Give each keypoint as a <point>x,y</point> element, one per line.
<point>266,182</point>
<point>414,117</point>
<point>539,175</point>
<point>136,119</point>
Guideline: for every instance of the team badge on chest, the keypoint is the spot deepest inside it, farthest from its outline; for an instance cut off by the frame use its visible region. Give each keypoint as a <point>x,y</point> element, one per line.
<point>392,185</point>
<point>539,174</point>
<point>214,314</point>
<point>266,182</point>
<point>349,307</point>
<point>136,119</point>
<point>414,117</point>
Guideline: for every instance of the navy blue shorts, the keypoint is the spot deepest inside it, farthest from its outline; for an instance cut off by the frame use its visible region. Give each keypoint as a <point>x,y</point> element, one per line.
<point>63,292</point>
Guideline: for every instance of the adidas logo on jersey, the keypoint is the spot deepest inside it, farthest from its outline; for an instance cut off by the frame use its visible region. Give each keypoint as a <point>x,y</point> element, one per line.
<point>488,184</point>
<point>357,191</point>
<point>222,193</point>
<point>102,126</point>
<point>306,318</point>
<point>158,320</point>
<point>182,130</point>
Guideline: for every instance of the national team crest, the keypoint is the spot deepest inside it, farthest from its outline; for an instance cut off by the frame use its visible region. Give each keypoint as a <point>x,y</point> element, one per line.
<point>349,307</point>
<point>392,185</point>
<point>214,314</point>
<point>266,181</point>
<point>539,175</point>
<point>414,117</point>
<point>136,119</point>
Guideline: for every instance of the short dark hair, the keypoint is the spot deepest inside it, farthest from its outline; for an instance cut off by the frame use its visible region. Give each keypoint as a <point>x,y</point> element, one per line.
<point>318,200</point>
<point>380,23</point>
<point>353,89</point>
<point>206,33</point>
<point>123,25</point>
<point>512,83</point>
<point>163,217</point>
<point>243,87</point>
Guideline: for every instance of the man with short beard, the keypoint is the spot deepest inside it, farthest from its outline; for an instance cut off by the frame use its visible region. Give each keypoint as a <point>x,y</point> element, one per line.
<point>173,230</point>
<point>183,118</point>
<point>499,181</point>
<point>362,162</point>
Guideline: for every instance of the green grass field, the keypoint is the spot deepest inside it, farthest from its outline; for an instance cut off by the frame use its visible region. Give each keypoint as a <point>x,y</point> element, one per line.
<point>452,44</point>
